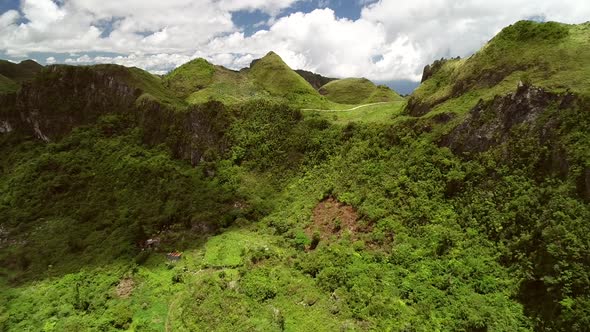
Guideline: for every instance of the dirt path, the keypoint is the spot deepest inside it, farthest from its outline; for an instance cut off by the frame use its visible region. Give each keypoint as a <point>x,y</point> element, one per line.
<point>350,109</point>
<point>171,309</point>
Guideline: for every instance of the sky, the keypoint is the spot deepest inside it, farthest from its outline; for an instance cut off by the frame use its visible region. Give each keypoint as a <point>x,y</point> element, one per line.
<point>387,41</point>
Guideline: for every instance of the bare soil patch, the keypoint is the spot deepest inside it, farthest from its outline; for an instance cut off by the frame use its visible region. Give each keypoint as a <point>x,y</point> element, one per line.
<point>334,218</point>
<point>125,288</point>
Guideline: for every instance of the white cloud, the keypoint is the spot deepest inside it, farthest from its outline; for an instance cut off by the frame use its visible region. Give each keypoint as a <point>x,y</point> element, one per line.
<point>50,60</point>
<point>156,63</point>
<point>440,28</point>
<point>272,7</point>
<point>316,41</point>
<point>8,18</point>
<point>148,26</point>
<point>391,40</point>
<point>42,13</point>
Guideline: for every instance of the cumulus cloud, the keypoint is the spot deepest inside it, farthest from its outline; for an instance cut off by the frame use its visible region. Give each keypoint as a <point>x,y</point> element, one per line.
<point>155,63</point>
<point>391,39</point>
<point>272,7</point>
<point>317,41</point>
<point>8,18</point>
<point>440,28</point>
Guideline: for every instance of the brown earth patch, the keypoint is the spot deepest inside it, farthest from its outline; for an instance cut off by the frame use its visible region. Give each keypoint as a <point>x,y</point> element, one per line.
<point>125,288</point>
<point>334,218</point>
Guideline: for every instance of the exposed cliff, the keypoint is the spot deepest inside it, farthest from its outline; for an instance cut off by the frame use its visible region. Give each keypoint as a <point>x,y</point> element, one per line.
<point>491,123</point>
<point>61,98</point>
<point>316,80</point>
<point>530,120</point>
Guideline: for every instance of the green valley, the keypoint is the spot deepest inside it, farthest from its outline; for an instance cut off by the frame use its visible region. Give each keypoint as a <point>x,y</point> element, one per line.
<point>210,199</point>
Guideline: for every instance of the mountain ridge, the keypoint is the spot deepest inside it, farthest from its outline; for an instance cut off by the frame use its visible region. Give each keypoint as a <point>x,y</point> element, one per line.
<point>524,51</point>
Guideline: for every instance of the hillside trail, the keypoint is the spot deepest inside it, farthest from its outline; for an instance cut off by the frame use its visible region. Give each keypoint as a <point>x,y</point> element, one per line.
<point>347,110</point>
<point>171,307</point>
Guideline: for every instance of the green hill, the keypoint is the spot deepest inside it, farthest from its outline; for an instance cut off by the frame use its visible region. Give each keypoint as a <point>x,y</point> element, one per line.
<point>273,75</point>
<point>267,78</point>
<point>82,94</point>
<point>204,81</point>
<point>357,91</point>
<point>190,77</point>
<point>7,85</point>
<point>20,72</point>
<point>549,55</point>
<point>276,78</point>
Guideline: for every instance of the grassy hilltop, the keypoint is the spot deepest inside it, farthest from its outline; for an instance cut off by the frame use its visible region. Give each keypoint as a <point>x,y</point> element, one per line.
<point>267,78</point>
<point>549,55</point>
<point>12,75</point>
<point>7,85</point>
<point>20,72</point>
<point>357,91</point>
<point>464,208</point>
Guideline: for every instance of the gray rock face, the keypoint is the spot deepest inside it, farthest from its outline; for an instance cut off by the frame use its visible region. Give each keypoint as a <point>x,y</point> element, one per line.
<point>65,97</point>
<point>417,108</point>
<point>5,127</point>
<point>316,80</point>
<point>72,96</point>
<point>431,69</point>
<point>490,123</point>
<point>195,135</point>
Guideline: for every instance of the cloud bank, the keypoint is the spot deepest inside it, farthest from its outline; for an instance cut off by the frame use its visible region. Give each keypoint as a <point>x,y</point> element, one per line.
<point>391,40</point>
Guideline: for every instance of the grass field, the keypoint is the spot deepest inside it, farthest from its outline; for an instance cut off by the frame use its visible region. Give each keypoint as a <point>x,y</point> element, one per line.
<point>20,72</point>
<point>384,112</point>
<point>7,85</point>
<point>357,91</point>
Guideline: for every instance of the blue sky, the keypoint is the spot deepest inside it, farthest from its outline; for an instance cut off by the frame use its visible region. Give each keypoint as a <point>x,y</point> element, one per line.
<point>387,41</point>
<point>8,4</point>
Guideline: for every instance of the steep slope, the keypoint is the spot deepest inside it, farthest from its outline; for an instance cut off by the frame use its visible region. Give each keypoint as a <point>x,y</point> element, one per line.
<point>549,55</point>
<point>62,97</point>
<point>273,75</point>
<point>227,86</point>
<point>20,72</point>
<point>199,81</point>
<point>190,77</point>
<point>523,102</point>
<point>357,91</point>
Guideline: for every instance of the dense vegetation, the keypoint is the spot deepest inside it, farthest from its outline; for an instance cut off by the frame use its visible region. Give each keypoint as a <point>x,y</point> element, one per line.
<point>368,219</point>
